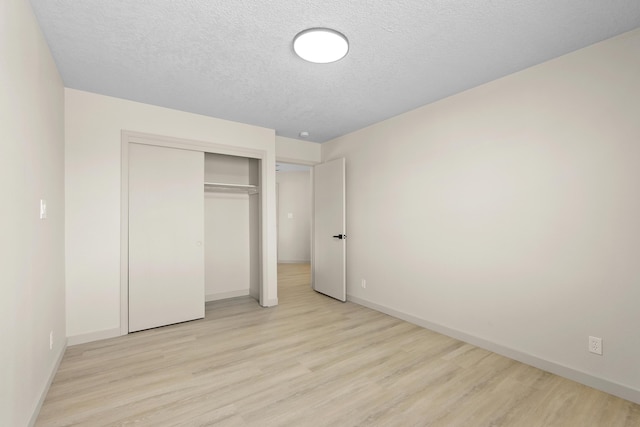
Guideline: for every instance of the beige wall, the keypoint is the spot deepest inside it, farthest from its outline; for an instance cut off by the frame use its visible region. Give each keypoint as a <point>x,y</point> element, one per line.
<point>294,234</point>
<point>227,245</point>
<point>294,239</point>
<point>31,250</point>
<point>297,151</point>
<point>508,215</point>
<point>93,144</point>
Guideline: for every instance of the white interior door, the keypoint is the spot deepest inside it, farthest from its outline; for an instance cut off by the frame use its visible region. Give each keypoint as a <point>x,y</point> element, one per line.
<point>166,232</point>
<point>329,229</point>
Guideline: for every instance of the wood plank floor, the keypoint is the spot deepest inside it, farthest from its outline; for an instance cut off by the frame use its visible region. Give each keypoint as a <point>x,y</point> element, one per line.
<point>311,361</point>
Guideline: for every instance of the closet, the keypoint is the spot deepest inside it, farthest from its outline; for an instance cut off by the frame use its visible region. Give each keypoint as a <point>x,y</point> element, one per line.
<point>193,232</point>
<point>231,226</point>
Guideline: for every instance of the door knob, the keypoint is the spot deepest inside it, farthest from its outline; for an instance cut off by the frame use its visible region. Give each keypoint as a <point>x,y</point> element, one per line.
<point>340,236</point>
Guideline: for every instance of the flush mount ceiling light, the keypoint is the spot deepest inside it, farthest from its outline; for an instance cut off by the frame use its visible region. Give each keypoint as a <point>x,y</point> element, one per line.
<point>320,45</point>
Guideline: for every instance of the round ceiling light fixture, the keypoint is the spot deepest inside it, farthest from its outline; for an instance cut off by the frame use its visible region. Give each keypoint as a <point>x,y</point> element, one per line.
<point>320,45</point>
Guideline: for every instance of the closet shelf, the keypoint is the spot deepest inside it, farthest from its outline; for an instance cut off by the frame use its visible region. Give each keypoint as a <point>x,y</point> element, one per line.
<point>230,188</point>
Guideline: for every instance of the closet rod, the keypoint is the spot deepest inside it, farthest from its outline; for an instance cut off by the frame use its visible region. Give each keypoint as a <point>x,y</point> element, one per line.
<point>231,188</point>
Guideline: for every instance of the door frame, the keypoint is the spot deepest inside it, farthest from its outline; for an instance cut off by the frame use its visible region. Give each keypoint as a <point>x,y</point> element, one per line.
<point>311,164</point>
<point>129,137</point>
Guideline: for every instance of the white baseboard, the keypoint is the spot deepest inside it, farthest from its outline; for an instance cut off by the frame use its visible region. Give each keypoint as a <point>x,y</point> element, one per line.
<point>225,295</point>
<point>93,336</point>
<point>607,386</point>
<point>43,395</point>
<point>298,261</point>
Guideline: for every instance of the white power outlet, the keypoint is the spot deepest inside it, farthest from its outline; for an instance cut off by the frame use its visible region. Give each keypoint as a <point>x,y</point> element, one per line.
<point>51,340</point>
<point>595,345</point>
<point>364,283</point>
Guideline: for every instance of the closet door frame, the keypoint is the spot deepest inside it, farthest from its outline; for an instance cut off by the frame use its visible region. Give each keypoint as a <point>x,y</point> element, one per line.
<point>129,137</point>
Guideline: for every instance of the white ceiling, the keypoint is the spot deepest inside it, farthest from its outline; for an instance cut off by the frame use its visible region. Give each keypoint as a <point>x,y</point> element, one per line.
<point>233,59</point>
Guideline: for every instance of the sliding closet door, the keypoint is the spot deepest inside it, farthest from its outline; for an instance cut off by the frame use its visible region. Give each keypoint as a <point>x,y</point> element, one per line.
<point>166,232</point>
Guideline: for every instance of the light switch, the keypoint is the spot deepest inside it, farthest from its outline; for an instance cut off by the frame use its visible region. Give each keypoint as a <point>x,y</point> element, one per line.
<point>43,209</point>
<point>290,215</point>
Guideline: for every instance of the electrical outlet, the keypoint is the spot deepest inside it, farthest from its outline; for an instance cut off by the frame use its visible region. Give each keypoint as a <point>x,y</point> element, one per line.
<point>364,284</point>
<point>51,340</point>
<point>595,345</point>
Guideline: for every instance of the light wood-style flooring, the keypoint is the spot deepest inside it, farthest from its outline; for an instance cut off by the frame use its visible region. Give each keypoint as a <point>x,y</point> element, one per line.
<point>311,361</point>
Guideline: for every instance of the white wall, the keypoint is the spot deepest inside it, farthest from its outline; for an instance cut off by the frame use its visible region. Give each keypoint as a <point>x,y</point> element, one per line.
<point>297,151</point>
<point>93,140</point>
<point>292,245</point>
<point>509,214</point>
<point>225,169</point>
<point>294,234</point>
<point>227,245</point>
<point>31,250</point>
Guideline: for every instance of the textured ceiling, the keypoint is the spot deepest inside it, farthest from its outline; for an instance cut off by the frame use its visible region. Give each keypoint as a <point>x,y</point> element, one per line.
<point>233,59</point>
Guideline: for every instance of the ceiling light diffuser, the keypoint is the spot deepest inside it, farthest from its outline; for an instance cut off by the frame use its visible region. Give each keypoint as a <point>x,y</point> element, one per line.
<point>320,45</point>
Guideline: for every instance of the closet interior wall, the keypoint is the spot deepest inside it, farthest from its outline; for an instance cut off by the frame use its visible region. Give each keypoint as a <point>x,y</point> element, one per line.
<point>232,247</point>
